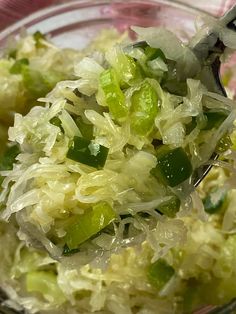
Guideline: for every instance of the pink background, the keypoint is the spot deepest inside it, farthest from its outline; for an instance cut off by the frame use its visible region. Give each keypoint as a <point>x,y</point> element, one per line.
<point>13,10</point>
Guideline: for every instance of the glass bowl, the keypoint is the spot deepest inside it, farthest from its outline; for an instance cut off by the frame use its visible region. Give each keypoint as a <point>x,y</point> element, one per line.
<point>75,24</point>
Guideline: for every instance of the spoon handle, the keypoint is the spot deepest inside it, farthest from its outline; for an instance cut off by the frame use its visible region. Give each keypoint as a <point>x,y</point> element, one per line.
<point>207,40</point>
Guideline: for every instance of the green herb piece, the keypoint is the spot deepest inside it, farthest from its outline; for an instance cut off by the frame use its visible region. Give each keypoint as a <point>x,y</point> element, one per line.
<point>87,152</point>
<point>214,119</point>
<point>144,108</point>
<point>89,224</point>
<point>173,166</point>
<point>86,129</point>
<point>17,67</point>
<point>170,207</point>
<point>159,273</point>
<point>215,200</point>
<point>114,97</point>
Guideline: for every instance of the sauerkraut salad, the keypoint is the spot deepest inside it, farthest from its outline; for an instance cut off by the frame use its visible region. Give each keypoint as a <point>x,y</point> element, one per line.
<point>98,205</point>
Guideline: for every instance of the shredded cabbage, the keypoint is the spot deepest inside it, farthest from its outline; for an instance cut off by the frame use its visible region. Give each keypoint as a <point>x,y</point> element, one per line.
<point>118,164</point>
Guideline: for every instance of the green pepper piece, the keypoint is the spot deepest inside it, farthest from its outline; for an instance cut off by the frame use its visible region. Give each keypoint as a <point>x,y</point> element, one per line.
<point>37,37</point>
<point>57,122</point>
<point>173,166</point>
<point>12,54</point>
<point>144,108</point>
<point>159,273</point>
<point>153,53</point>
<point>170,207</point>
<point>86,129</point>
<point>190,126</point>
<point>87,152</point>
<point>18,66</point>
<point>68,252</point>
<point>214,119</point>
<point>9,157</point>
<point>215,200</point>
<point>89,224</point>
<point>114,97</point>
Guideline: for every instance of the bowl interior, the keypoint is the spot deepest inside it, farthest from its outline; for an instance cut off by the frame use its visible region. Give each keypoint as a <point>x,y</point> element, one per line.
<point>75,24</point>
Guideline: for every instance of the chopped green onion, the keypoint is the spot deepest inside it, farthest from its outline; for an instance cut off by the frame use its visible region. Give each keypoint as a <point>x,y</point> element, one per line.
<point>170,207</point>
<point>87,152</point>
<point>44,282</point>
<point>18,66</point>
<point>114,97</point>
<point>144,108</point>
<point>159,273</point>
<point>214,119</point>
<point>89,224</point>
<point>173,166</point>
<point>215,200</point>
<point>86,129</point>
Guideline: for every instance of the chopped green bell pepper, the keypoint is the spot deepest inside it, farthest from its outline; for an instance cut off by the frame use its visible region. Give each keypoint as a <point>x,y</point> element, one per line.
<point>17,67</point>
<point>170,207</point>
<point>215,200</point>
<point>173,166</point>
<point>86,129</point>
<point>214,119</point>
<point>87,152</point>
<point>88,224</point>
<point>159,273</point>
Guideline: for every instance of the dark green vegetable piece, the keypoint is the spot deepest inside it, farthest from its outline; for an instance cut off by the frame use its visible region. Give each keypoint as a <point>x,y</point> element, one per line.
<point>170,207</point>
<point>215,200</point>
<point>67,251</point>
<point>190,126</point>
<point>153,53</point>
<point>17,67</point>
<point>86,129</point>
<point>37,37</point>
<point>214,119</point>
<point>173,166</point>
<point>87,152</point>
<point>159,273</point>
<point>9,157</point>
<point>12,54</point>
